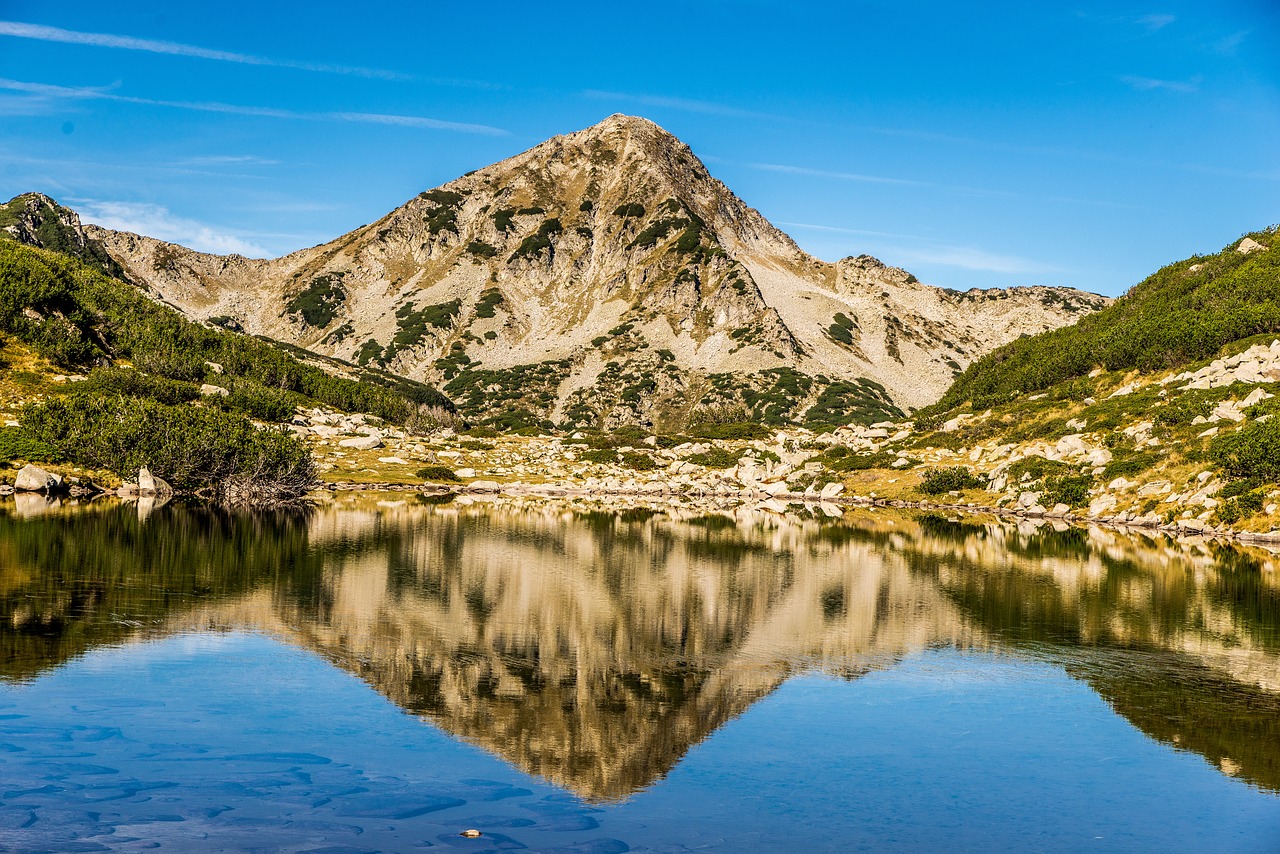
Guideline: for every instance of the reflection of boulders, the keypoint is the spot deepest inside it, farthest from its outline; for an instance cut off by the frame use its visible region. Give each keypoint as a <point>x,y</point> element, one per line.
<point>28,505</point>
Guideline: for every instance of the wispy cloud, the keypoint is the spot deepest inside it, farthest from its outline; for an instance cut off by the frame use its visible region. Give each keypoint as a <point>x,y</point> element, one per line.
<point>861,178</point>
<point>970,258</point>
<point>911,250</point>
<point>156,221</point>
<point>1151,84</point>
<point>687,105</point>
<point>227,160</point>
<point>841,176</point>
<point>56,34</point>
<point>1156,22</point>
<point>809,226</point>
<point>1228,45</point>
<point>46,90</point>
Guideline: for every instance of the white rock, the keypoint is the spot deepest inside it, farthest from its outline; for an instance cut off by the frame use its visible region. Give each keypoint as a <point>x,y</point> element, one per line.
<point>209,390</point>
<point>1102,504</point>
<point>362,443</point>
<point>831,490</point>
<point>35,479</point>
<point>1244,247</point>
<point>465,474</point>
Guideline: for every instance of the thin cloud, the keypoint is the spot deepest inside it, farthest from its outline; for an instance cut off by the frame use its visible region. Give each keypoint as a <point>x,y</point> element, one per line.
<point>923,250</point>
<point>842,176</point>
<point>881,179</point>
<point>688,105</point>
<point>39,32</point>
<point>839,230</point>
<point>1157,22</point>
<point>156,221</point>
<point>970,258</point>
<point>86,93</point>
<point>228,160</point>
<point>1151,84</point>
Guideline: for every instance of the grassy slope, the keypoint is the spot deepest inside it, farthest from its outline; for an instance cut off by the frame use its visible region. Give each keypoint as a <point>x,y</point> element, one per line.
<point>1182,313</point>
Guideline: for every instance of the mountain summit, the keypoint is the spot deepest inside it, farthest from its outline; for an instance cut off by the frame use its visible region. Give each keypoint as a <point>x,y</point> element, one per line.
<point>601,278</point>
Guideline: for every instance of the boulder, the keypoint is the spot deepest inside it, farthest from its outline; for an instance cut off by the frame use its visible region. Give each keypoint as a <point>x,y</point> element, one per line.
<point>363,443</point>
<point>150,484</point>
<point>35,479</point>
<point>210,390</point>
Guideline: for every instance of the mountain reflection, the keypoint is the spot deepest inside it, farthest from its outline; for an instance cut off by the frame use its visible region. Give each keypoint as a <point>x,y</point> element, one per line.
<point>594,649</point>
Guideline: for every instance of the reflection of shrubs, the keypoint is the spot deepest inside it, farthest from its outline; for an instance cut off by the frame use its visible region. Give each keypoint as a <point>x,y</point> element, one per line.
<point>951,479</point>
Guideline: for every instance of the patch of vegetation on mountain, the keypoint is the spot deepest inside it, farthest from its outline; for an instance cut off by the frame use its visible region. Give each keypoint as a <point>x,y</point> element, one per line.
<point>82,320</point>
<point>319,301</point>
<point>629,210</point>
<point>443,215</point>
<point>488,304</point>
<point>783,396</point>
<point>48,224</point>
<point>1184,312</point>
<point>842,329</point>
<point>480,249</point>
<point>515,398</point>
<point>540,240</point>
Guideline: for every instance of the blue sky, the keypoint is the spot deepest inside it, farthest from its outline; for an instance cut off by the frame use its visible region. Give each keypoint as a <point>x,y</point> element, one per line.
<point>976,145</point>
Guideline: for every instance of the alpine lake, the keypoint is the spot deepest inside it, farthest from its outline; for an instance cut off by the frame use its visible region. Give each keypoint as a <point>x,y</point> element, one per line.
<point>384,675</point>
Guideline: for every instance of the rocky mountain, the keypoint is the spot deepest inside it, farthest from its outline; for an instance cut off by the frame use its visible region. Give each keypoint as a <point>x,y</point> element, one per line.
<point>602,278</point>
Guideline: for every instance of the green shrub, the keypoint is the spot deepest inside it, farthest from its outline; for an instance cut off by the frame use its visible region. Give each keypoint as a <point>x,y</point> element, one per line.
<point>1072,490</point>
<point>480,249</point>
<point>740,430</point>
<point>319,301</point>
<point>633,209</point>
<point>193,447</point>
<point>639,461</point>
<point>437,473</point>
<point>952,479</point>
<point>716,458</point>
<point>135,383</point>
<point>17,443</point>
<point>504,219</point>
<point>840,334</point>
<point>259,402</point>
<point>489,301</point>
<point>1129,466</point>
<point>1252,452</point>
<point>532,245</point>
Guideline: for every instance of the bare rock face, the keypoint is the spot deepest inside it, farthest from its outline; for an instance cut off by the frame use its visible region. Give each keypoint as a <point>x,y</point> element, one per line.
<point>601,278</point>
<point>35,479</point>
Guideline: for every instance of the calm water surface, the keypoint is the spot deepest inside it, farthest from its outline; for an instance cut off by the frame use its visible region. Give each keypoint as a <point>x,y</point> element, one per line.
<point>380,677</point>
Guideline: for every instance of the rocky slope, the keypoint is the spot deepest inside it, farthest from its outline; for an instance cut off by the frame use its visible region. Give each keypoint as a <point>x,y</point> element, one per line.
<point>602,278</point>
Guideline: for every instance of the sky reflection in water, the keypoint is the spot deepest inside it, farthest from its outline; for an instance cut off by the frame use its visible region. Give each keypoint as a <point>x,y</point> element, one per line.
<point>601,684</point>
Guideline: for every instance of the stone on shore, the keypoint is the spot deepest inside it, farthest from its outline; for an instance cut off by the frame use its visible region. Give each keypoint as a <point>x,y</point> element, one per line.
<point>35,479</point>
<point>150,484</point>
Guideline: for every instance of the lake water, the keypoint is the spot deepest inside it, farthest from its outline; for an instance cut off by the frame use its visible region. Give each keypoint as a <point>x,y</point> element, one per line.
<point>382,676</point>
